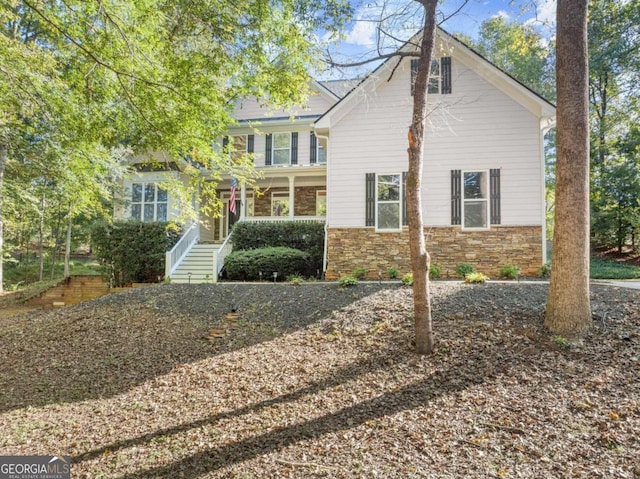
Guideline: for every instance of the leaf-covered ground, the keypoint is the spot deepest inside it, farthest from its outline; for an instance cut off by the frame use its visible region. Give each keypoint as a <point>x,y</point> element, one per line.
<point>318,381</point>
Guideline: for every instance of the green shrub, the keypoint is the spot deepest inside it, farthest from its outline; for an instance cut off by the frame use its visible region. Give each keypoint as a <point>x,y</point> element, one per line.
<point>407,279</point>
<point>347,281</point>
<point>133,251</point>
<point>359,273</point>
<point>247,265</point>
<point>463,269</point>
<point>434,271</point>
<point>392,273</point>
<point>544,271</point>
<point>509,271</point>
<point>308,237</point>
<point>475,278</point>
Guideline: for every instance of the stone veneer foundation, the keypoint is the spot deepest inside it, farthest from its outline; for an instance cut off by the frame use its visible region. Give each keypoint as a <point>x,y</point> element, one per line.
<point>349,248</point>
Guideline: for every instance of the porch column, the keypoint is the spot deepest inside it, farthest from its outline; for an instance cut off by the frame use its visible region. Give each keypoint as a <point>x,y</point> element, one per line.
<point>292,194</point>
<point>243,201</point>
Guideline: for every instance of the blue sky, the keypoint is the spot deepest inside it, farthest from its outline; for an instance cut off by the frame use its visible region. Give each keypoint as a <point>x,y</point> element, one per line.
<point>539,12</point>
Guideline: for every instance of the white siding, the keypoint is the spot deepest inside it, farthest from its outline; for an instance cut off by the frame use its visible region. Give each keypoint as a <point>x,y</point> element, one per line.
<point>477,127</point>
<point>252,109</point>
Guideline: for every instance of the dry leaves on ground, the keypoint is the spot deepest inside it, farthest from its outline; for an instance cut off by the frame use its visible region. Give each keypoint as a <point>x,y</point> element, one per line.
<point>319,381</point>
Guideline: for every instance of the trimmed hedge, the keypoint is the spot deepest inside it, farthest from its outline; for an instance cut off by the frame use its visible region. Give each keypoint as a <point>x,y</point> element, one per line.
<point>247,265</point>
<point>308,237</point>
<point>133,251</point>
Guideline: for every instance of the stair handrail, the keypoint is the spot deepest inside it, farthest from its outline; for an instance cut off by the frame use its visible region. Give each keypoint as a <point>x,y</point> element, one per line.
<point>219,256</point>
<point>174,256</point>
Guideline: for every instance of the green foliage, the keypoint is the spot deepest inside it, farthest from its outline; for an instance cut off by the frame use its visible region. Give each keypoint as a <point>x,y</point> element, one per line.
<point>520,51</point>
<point>392,273</point>
<point>434,271</point>
<point>295,279</point>
<point>463,269</point>
<point>308,237</point>
<point>347,281</point>
<point>561,341</point>
<point>132,251</point>
<point>247,265</point>
<point>407,279</point>
<point>544,271</point>
<point>509,271</point>
<point>359,273</point>
<point>603,269</point>
<point>475,278</point>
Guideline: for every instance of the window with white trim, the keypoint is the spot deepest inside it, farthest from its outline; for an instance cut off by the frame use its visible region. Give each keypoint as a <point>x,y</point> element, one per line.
<point>280,203</point>
<point>149,202</point>
<point>281,149</point>
<point>475,199</point>
<point>434,77</point>
<point>321,203</point>
<point>321,150</point>
<point>388,201</point>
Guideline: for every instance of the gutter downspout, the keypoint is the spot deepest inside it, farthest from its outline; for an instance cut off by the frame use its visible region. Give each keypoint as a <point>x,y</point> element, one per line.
<point>325,253</point>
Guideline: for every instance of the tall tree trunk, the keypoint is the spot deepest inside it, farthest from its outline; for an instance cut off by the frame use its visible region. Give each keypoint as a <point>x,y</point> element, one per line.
<point>3,162</point>
<point>568,306</point>
<point>67,249</point>
<point>419,256</point>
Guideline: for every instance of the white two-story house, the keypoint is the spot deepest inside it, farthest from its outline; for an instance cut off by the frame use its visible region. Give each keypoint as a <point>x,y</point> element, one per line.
<point>342,159</point>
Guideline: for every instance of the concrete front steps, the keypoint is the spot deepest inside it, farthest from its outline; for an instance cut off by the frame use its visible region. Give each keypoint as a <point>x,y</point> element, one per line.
<point>198,262</point>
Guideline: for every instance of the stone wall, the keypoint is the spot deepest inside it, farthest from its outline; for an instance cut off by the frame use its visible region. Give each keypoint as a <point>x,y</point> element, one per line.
<point>305,201</point>
<point>349,248</point>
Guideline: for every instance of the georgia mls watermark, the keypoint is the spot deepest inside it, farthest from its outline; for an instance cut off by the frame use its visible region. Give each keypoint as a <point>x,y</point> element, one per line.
<point>35,467</point>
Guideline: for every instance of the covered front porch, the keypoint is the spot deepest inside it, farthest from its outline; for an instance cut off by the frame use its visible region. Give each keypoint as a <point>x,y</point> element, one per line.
<point>278,196</point>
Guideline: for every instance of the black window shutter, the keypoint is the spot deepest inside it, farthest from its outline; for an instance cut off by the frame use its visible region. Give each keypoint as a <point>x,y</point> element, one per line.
<point>405,218</point>
<point>494,195</point>
<point>445,72</point>
<point>267,149</point>
<point>370,199</point>
<point>456,197</point>
<point>250,143</point>
<point>414,73</point>
<point>294,148</point>
<point>313,149</point>
<point>225,142</point>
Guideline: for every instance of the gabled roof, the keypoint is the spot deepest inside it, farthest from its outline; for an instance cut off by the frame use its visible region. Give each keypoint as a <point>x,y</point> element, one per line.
<point>529,99</point>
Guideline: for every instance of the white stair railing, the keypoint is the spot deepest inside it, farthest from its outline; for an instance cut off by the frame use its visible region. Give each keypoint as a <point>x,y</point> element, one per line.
<point>219,256</point>
<point>180,250</point>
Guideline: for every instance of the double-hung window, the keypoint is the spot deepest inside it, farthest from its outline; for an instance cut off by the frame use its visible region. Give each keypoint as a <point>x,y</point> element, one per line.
<point>388,201</point>
<point>239,148</point>
<point>475,200</point>
<point>282,148</point>
<point>148,202</point>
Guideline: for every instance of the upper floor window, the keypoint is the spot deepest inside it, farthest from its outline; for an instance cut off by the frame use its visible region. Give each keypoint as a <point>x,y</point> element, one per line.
<point>318,152</point>
<point>148,202</point>
<point>240,146</point>
<point>281,148</point>
<point>439,75</point>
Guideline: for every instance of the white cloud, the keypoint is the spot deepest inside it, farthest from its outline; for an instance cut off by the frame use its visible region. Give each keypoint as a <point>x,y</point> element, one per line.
<point>362,33</point>
<point>503,14</point>
<point>545,14</point>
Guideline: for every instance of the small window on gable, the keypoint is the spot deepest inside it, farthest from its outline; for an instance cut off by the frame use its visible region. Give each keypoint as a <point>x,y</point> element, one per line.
<point>148,202</point>
<point>439,76</point>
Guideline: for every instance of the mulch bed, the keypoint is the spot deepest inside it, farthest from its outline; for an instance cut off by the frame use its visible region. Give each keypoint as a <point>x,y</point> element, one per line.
<point>318,381</point>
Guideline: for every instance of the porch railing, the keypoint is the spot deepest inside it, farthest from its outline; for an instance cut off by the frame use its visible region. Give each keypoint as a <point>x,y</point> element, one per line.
<point>181,248</point>
<point>301,219</point>
<point>219,256</point>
